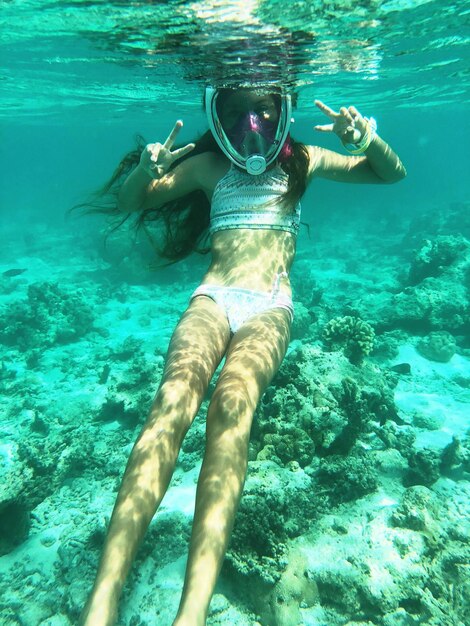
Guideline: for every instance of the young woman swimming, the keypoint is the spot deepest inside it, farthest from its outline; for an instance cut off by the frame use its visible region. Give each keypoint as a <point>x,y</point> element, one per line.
<point>241,183</point>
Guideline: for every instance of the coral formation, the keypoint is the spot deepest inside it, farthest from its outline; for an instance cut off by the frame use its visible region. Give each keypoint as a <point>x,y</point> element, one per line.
<point>351,334</point>
<point>455,458</point>
<point>434,297</point>
<point>301,322</point>
<point>348,478</point>
<point>437,346</point>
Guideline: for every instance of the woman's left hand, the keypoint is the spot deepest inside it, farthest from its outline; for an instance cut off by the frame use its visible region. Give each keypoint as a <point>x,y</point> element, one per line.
<point>348,124</point>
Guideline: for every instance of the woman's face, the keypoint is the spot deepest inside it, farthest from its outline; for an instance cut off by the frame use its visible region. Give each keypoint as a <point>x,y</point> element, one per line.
<point>244,101</point>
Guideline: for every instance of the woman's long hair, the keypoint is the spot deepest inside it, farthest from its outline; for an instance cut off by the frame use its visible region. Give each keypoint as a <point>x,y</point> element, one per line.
<point>185,221</point>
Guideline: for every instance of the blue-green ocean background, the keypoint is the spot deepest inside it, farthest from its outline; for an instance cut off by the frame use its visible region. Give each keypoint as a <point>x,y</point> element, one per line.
<point>78,80</point>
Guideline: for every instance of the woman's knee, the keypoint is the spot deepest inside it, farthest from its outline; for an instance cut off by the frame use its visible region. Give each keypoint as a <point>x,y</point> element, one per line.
<point>179,396</point>
<point>173,409</point>
<point>231,409</point>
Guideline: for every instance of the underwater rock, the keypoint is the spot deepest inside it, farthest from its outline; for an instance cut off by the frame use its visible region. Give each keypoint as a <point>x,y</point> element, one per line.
<point>424,467</point>
<point>437,346</point>
<point>400,617</point>
<point>419,509</point>
<point>14,522</point>
<point>16,504</point>
<point>401,368</point>
<point>428,421</point>
<point>280,605</point>
<point>436,255</point>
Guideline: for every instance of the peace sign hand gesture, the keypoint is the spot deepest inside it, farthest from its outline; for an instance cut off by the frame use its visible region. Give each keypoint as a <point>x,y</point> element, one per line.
<point>156,158</point>
<point>348,124</point>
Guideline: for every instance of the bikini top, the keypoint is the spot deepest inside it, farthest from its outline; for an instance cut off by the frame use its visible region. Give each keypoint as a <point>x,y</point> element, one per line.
<point>241,200</point>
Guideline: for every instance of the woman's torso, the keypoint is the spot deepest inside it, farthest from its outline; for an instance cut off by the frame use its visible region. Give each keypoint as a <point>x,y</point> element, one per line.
<point>252,257</point>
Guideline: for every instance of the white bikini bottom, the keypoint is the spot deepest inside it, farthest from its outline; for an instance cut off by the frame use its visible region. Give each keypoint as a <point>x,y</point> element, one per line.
<point>240,305</point>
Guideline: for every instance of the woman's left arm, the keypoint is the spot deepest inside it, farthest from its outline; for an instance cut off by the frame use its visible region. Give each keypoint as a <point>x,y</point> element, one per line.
<point>378,163</point>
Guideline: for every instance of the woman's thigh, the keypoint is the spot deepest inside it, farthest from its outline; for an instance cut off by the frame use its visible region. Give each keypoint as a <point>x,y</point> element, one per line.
<point>196,348</point>
<point>253,358</point>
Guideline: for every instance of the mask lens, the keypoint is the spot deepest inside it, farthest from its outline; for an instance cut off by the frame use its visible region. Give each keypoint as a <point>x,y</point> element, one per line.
<point>252,134</point>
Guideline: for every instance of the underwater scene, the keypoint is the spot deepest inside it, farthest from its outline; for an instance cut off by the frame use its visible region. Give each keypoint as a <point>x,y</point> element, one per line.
<point>355,509</point>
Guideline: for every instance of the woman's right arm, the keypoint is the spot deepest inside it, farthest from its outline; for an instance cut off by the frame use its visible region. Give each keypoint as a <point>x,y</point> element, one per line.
<point>151,184</point>
<point>140,191</point>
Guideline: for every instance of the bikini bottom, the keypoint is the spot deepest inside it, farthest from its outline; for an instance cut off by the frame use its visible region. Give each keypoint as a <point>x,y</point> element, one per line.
<point>240,305</point>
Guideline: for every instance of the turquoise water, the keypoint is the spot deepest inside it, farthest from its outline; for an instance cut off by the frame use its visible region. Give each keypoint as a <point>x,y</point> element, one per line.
<point>376,533</point>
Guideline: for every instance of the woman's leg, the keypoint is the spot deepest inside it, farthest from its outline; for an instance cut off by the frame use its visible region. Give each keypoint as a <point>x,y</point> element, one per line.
<point>196,348</point>
<point>254,356</point>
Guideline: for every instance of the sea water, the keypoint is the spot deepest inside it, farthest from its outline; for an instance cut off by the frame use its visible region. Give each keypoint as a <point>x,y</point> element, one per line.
<point>355,509</point>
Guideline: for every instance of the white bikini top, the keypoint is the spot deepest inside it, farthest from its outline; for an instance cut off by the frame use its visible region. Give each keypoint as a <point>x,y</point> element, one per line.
<point>241,200</point>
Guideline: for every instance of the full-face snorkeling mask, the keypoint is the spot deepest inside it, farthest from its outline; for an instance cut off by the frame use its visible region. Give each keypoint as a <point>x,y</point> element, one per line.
<point>252,142</point>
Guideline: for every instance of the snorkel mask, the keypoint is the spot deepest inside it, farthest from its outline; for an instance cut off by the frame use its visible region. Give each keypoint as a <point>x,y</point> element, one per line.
<point>252,142</point>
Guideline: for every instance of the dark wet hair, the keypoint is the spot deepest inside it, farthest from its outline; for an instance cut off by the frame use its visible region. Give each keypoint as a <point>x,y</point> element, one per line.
<point>185,221</point>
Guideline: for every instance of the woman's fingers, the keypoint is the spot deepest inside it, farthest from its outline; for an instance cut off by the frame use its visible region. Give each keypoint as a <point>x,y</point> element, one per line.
<point>177,154</point>
<point>172,136</point>
<point>153,150</point>
<point>347,123</point>
<point>345,113</point>
<point>324,128</point>
<point>326,109</point>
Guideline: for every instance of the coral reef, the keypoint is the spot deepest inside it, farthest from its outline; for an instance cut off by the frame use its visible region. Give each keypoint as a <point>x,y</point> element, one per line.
<point>280,604</point>
<point>418,510</point>
<point>330,403</point>
<point>424,467</point>
<point>455,458</point>
<point>130,378</point>
<point>437,299</point>
<point>49,316</point>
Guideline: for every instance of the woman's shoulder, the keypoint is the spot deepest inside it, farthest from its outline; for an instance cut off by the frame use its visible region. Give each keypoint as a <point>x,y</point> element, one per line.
<point>211,168</point>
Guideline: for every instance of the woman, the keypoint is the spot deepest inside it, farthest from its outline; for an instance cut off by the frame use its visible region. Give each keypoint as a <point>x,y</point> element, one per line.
<point>253,174</point>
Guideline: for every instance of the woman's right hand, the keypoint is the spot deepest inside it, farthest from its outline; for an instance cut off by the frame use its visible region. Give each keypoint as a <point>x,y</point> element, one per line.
<point>156,158</point>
